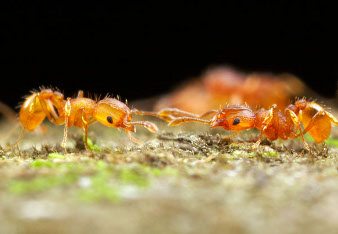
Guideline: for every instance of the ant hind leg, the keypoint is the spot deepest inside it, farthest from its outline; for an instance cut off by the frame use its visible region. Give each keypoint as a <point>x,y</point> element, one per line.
<point>67,114</point>
<point>296,121</point>
<point>17,141</point>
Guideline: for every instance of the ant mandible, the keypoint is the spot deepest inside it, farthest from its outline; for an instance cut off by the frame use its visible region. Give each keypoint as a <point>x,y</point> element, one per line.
<point>79,112</point>
<point>271,123</point>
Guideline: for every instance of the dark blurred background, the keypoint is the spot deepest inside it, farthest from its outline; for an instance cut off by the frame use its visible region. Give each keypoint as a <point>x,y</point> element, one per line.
<point>139,50</point>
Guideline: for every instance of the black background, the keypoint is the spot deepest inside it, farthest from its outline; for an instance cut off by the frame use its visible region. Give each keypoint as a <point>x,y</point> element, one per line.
<point>139,50</point>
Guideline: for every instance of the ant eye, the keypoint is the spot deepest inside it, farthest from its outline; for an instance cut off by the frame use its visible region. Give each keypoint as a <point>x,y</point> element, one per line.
<point>236,121</point>
<point>109,119</point>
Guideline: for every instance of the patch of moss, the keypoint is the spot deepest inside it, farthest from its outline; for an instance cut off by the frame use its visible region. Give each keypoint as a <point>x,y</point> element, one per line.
<point>167,171</point>
<point>92,146</point>
<point>42,163</point>
<point>131,176</point>
<point>39,184</point>
<point>99,189</point>
<point>332,142</point>
<point>56,156</point>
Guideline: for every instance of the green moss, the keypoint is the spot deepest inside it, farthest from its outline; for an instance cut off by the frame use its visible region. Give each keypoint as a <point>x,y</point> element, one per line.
<point>131,176</point>
<point>92,146</point>
<point>100,189</point>
<point>56,156</point>
<point>273,153</point>
<point>39,184</point>
<point>42,163</point>
<point>105,185</point>
<point>167,171</point>
<point>332,142</point>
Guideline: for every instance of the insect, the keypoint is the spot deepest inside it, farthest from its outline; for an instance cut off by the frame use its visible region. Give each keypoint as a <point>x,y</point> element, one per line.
<point>272,123</point>
<point>79,112</point>
<point>220,85</point>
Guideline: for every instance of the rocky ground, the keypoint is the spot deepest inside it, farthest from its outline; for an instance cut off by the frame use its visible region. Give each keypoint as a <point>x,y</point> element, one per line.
<point>184,179</point>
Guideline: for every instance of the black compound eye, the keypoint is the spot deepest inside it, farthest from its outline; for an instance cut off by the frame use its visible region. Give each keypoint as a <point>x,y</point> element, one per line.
<point>109,119</point>
<point>236,121</point>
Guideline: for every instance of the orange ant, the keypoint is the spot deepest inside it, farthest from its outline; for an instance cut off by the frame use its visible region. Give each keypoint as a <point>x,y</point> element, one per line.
<point>79,112</point>
<point>271,123</point>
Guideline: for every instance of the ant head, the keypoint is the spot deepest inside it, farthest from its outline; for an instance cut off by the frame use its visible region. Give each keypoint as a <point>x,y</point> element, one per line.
<point>234,118</point>
<point>113,113</point>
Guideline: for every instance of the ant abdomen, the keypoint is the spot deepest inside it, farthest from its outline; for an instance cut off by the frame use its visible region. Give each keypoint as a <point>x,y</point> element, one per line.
<point>321,130</point>
<point>31,113</point>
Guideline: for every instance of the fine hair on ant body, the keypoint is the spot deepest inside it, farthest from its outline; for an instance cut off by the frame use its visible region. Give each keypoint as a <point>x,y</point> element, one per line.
<point>79,112</point>
<point>271,123</point>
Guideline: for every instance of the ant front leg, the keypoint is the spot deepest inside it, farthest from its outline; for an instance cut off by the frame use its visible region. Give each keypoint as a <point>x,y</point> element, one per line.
<point>170,114</point>
<point>150,126</point>
<point>166,114</point>
<point>180,120</point>
<point>195,118</point>
<point>269,120</point>
<point>133,138</point>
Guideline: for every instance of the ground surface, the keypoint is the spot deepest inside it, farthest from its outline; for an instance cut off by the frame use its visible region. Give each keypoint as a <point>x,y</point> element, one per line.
<point>183,180</point>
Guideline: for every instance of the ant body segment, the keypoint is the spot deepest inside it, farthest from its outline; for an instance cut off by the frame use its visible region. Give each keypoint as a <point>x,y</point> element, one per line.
<point>271,123</point>
<point>79,112</point>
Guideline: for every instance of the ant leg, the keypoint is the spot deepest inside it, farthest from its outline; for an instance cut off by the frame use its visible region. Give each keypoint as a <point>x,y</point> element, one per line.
<point>296,121</point>
<point>10,132</point>
<point>319,126</point>
<point>167,114</point>
<point>67,114</point>
<point>313,121</point>
<point>332,118</point>
<point>273,114</point>
<point>170,114</point>
<point>231,136</point>
<point>165,117</point>
<point>207,113</point>
<point>17,141</point>
<point>85,128</point>
<point>259,140</point>
<point>150,126</point>
<point>50,112</point>
<point>180,120</point>
<point>180,113</point>
<point>133,138</point>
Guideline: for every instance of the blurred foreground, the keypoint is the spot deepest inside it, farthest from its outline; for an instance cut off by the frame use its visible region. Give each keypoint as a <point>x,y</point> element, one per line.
<point>184,180</point>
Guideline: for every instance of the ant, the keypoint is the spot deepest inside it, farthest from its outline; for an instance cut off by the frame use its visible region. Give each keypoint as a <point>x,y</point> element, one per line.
<point>272,123</point>
<point>79,112</point>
